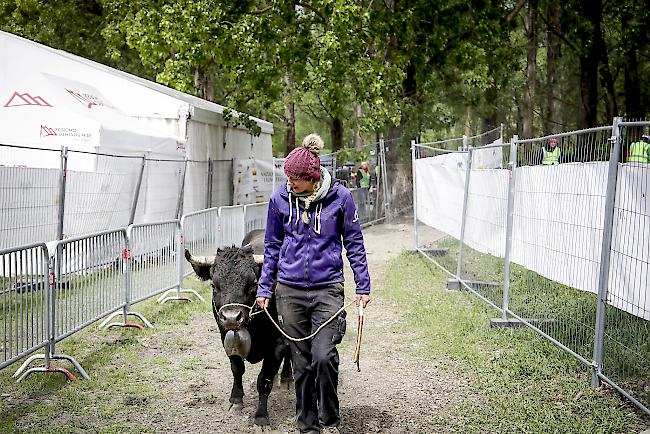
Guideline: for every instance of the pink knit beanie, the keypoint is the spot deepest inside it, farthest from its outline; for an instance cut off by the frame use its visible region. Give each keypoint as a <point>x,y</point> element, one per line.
<point>303,162</point>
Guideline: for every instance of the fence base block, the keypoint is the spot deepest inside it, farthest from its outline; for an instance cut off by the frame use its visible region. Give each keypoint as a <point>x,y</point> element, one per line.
<point>435,252</point>
<point>513,322</point>
<point>477,285</point>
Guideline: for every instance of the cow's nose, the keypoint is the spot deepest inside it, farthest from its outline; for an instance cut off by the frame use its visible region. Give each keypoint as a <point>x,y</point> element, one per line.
<point>232,319</point>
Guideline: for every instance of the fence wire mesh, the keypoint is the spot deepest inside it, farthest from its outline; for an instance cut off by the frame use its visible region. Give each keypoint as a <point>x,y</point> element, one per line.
<point>154,267</point>
<point>533,238</point>
<point>231,229</point>
<point>439,178</point>
<point>24,320</point>
<point>486,213</point>
<point>557,236</point>
<point>195,195</point>
<point>201,234</point>
<point>626,356</point>
<point>29,202</point>
<point>88,280</point>
<point>100,199</point>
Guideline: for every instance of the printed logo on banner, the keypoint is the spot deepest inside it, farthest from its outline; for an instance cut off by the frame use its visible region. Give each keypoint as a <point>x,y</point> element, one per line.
<point>73,133</point>
<point>87,99</point>
<point>47,131</point>
<point>22,99</point>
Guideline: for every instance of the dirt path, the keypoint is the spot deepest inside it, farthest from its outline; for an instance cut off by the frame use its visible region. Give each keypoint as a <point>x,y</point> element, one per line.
<point>395,392</point>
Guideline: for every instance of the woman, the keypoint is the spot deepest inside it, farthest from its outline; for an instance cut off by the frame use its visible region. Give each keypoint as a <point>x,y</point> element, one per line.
<point>309,220</point>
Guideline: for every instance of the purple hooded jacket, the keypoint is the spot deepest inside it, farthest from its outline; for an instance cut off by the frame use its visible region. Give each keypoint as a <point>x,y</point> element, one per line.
<point>306,255</point>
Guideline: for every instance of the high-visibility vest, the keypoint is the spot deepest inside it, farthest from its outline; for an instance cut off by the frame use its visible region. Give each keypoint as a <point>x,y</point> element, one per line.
<point>639,152</point>
<point>365,179</point>
<point>552,157</point>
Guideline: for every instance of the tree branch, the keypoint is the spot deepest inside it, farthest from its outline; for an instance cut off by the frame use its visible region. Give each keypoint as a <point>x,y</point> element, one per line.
<point>511,16</point>
<point>261,11</point>
<point>316,11</point>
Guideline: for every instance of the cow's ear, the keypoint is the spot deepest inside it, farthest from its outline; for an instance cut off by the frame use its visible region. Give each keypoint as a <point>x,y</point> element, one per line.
<point>202,271</point>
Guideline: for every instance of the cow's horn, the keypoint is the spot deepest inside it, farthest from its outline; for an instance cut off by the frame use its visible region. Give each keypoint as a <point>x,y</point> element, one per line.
<point>199,260</point>
<point>259,259</point>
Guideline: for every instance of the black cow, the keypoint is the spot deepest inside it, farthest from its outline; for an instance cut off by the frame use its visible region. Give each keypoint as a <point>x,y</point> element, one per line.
<point>234,272</point>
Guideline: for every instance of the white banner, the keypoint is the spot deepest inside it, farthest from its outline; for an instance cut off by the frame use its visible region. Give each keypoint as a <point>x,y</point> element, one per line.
<point>440,187</point>
<point>558,221</point>
<point>487,211</point>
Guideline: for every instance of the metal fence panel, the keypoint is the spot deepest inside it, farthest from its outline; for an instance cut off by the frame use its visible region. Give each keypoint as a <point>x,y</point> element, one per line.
<point>557,233</point>
<point>24,319</point>
<point>201,234</point>
<point>231,225</point>
<point>626,358</point>
<point>29,204</point>
<point>255,216</point>
<point>153,258</point>
<point>222,183</point>
<point>196,186</point>
<point>99,200</point>
<point>160,190</point>
<point>484,237</point>
<point>89,283</point>
<point>439,186</point>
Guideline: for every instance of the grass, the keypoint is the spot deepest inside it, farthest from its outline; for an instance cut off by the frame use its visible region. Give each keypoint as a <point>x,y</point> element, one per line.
<point>527,383</point>
<point>122,382</point>
<point>570,316</point>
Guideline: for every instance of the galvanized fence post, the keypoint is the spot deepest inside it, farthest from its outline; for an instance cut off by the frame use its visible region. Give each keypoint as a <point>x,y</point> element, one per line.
<point>465,142</point>
<point>136,193</point>
<point>509,224</point>
<point>208,199</point>
<point>384,174</point>
<point>603,273</point>
<point>181,192</point>
<point>273,178</point>
<point>62,183</point>
<point>415,203</point>
<point>463,221</point>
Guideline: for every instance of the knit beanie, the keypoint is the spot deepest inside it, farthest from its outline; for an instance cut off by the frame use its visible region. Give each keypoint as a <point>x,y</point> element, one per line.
<point>303,162</point>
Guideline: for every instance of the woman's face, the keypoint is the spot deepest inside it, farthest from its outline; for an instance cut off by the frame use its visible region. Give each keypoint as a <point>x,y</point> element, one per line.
<point>301,185</point>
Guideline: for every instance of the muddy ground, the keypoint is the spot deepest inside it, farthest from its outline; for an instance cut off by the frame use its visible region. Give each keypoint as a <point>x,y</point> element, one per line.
<point>395,392</point>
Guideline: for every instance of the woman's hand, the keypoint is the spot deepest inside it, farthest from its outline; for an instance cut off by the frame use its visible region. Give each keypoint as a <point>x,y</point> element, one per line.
<point>362,299</point>
<point>262,302</point>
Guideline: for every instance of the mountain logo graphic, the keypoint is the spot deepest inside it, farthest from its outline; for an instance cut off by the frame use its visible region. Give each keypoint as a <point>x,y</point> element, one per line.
<point>21,99</point>
<point>47,131</point>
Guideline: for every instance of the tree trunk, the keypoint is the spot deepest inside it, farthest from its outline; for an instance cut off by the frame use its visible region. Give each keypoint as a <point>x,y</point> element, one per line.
<point>336,127</point>
<point>530,24</point>
<point>611,108</point>
<point>632,83</point>
<point>553,115</point>
<point>589,57</point>
<point>289,119</point>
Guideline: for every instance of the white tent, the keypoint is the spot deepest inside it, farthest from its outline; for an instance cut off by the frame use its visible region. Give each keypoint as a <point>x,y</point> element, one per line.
<point>57,98</point>
<point>50,98</point>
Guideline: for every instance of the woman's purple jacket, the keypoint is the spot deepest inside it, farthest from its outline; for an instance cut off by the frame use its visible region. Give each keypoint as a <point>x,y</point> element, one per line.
<point>309,255</point>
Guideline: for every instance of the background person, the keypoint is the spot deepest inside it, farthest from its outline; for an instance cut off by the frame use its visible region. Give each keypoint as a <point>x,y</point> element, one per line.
<point>640,150</point>
<point>550,154</point>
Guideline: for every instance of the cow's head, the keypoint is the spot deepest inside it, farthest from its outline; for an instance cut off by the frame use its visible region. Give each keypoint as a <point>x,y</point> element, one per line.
<point>233,273</point>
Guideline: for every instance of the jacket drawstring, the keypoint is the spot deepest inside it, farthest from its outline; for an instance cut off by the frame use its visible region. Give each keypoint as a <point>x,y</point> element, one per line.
<point>290,210</point>
<point>297,212</point>
<point>317,212</point>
